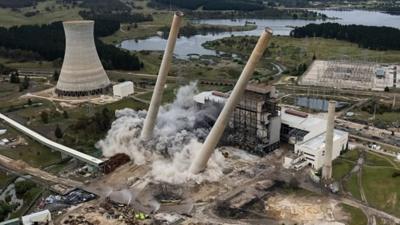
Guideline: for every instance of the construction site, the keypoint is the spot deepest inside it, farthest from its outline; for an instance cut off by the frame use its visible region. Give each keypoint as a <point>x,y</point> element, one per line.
<point>211,157</point>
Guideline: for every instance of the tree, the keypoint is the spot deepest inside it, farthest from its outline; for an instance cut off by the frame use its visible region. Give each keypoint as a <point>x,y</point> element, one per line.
<point>387,89</point>
<point>56,75</point>
<point>23,186</point>
<point>14,78</point>
<point>65,115</point>
<point>58,132</point>
<point>44,116</point>
<point>5,209</point>
<point>29,101</point>
<point>25,83</point>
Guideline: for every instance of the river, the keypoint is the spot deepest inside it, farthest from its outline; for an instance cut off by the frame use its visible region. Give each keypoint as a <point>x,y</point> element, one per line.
<point>193,45</point>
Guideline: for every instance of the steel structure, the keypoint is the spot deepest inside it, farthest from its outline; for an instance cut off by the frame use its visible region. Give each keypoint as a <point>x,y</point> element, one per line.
<point>255,122</point>
<point>201,159</point>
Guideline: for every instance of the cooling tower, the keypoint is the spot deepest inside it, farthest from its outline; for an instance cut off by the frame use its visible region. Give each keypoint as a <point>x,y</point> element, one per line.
<point>82,73</point>
<point>200,161</point>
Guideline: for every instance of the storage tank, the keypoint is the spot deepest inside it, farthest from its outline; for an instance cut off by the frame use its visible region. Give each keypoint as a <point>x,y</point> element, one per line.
<point>82,73</point>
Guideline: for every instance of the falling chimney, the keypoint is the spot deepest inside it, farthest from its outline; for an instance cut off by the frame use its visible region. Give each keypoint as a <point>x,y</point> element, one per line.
<point>202,157</point>
<point>155,103</point>
<point>330,126</point>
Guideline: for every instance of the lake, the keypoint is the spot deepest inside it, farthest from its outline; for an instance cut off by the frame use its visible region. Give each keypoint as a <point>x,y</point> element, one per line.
<point>193,45</point>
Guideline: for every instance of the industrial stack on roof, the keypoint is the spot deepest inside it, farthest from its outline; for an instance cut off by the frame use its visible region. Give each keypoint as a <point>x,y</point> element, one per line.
<point>82,73</point>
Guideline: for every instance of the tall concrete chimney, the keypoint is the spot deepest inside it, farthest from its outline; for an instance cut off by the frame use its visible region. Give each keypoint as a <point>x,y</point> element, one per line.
<point>330,126</point>
<point>155,103</point>
<point>202,157</point>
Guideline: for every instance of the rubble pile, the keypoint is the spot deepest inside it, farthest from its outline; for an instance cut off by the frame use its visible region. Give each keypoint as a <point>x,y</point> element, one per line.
<point>107,212</point>
<point>115,161</point>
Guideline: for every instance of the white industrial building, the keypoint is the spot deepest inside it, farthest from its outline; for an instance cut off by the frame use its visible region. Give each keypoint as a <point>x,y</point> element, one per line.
<point>306,133</point>
<point>42,217</point>
<point>123,89</point>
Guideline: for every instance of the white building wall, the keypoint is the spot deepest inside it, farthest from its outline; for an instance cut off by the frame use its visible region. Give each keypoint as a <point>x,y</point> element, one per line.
<point>314,149</point>
<point>123,89</point>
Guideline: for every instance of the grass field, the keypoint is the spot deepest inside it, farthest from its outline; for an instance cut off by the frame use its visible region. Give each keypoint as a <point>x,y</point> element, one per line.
<point>352,186</point>
<point>293,51</point>
<point>357,216</point>
<point>5,179</point>
<point>344,163</point>
<point>341,168</point>
<point>381,189</point>
<point>54,12</point>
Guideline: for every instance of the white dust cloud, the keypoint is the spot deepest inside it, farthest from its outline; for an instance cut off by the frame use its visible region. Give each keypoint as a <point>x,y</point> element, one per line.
<point>175,141</point>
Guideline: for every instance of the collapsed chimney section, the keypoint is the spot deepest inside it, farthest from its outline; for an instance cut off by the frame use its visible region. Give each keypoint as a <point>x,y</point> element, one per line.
<point>202,157</point>
<point>155,103</point>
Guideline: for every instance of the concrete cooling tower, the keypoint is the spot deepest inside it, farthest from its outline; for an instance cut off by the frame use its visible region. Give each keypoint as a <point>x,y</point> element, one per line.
<point>82,73</point>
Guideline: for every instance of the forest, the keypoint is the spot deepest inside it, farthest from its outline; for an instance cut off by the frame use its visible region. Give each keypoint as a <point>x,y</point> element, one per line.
<point>371,37</point>
<point>17,3</point>
<point>49,42</point>
<point>243,5</point>
<point>122,17</point>
<point>266,13</point>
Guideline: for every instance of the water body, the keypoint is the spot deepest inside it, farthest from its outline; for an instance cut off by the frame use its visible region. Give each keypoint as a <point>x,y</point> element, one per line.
<point>193,45</point>
<point>317,104</point>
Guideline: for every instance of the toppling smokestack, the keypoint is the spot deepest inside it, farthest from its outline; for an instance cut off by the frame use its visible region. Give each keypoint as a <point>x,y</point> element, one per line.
<point>327,169</point>
<point>155,103</point>
<point>201,159</point>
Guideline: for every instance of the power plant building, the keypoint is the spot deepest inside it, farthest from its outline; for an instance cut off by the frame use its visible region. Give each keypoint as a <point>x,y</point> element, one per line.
<point>255,123</point>
<point>82,73</point>
<point>306,134</point>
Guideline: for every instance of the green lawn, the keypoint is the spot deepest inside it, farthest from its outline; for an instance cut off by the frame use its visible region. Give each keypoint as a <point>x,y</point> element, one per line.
<point>5,179</point>
<point>341,168</point>
<point>293,51</point>
<point>381,189</point>
<point>34,153</point>
<point>357,216</point>
<point>56,12</point>
<point>125,103</point>
<point>352,186</point>
<point>375,160</point>
<point>351,155</point>
<point>168,95</point>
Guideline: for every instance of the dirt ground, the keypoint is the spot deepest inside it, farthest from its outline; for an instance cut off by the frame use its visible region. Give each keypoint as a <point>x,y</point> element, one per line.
<point>305,209</point>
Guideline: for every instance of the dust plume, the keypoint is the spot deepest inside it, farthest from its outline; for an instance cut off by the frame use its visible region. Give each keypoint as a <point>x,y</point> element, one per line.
<point>175,142</point>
